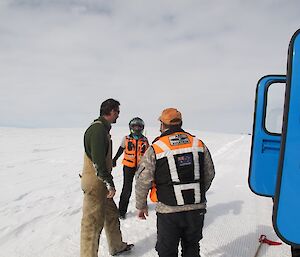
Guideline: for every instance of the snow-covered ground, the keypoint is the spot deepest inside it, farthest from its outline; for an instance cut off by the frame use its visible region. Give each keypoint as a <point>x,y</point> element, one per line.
<point>41,199</point>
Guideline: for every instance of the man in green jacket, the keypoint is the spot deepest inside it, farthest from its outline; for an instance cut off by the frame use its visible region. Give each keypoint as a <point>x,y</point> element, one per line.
<point>99,208</point>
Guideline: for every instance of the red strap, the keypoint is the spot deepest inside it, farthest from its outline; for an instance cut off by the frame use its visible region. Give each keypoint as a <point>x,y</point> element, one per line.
<point>263,239</point>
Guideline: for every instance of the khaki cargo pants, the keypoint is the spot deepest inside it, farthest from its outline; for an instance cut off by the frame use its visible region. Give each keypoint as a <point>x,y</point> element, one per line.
<point>98,212</point>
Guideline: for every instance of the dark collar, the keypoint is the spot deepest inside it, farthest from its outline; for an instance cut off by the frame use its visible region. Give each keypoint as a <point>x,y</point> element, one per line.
<point>139,137</point>
<point>169,132</point>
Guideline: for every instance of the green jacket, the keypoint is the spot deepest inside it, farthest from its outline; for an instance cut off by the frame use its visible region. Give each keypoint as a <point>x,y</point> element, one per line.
<point>96,145</point>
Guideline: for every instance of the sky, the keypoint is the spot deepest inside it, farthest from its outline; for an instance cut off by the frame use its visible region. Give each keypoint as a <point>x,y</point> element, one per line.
<point>59,59</point>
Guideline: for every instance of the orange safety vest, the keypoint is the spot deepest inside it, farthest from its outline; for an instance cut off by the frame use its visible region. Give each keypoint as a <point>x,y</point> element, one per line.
<point>175,144</point>
<point>134,150</point>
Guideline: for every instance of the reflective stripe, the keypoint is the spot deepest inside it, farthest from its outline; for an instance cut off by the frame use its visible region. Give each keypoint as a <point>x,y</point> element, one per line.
<point>162,145</point>
<point>129,155</point>
<point>196,159</point>
<point>179,188</point>
<point>171,161</point>
<point>178,151</point>
<point>178,194</point>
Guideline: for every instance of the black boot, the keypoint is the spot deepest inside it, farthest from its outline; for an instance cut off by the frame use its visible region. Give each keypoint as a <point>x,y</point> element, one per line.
<point>126,249</point>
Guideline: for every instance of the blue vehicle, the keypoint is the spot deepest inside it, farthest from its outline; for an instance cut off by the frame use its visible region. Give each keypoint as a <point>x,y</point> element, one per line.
<point>265,141</point>
<point>275,151</point>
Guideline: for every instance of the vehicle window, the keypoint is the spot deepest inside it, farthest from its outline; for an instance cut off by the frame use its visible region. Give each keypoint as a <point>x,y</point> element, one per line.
<point>274,108</point>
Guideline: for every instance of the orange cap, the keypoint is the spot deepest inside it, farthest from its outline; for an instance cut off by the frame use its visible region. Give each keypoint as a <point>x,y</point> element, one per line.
<point>170,116</point>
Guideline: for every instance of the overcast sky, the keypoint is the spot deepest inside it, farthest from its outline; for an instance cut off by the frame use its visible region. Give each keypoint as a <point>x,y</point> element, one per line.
<point>59,59</point>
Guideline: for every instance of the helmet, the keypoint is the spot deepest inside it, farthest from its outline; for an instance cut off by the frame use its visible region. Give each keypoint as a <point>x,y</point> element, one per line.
<point>136,126</point>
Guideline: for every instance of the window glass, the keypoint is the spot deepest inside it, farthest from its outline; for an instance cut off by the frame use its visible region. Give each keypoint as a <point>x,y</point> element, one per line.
<point>274,108</point>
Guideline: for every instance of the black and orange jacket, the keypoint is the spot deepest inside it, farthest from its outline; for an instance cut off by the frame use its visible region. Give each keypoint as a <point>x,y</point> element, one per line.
<point>134,150</point>
<point>179,169</point>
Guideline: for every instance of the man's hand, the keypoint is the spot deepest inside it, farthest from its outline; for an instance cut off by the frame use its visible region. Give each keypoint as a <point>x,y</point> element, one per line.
<point>111,192</point>
<point>142,213</point>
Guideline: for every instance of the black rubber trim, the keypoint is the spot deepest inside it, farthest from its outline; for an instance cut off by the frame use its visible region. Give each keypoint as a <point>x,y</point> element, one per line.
<point>266,103</point>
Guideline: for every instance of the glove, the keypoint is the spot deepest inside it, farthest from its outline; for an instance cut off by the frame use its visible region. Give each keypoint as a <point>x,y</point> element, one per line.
<point>111,192</point>
<point>114,163</point>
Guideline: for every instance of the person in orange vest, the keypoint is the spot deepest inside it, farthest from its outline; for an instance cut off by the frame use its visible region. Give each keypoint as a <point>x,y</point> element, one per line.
<point>179,168</point>
<point>135,145</point>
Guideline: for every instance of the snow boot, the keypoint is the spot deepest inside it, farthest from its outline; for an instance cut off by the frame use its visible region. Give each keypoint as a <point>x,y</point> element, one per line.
<point>126,249</point>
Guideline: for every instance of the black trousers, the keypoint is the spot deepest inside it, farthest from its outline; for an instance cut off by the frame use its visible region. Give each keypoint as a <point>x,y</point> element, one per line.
<point>180,226</point>
<point>295,251</point>
<point>128,175</point>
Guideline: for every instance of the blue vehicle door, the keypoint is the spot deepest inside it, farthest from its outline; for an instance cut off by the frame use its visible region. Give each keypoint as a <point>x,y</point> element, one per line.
<point>266,138</point>
<point>286,219</point>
